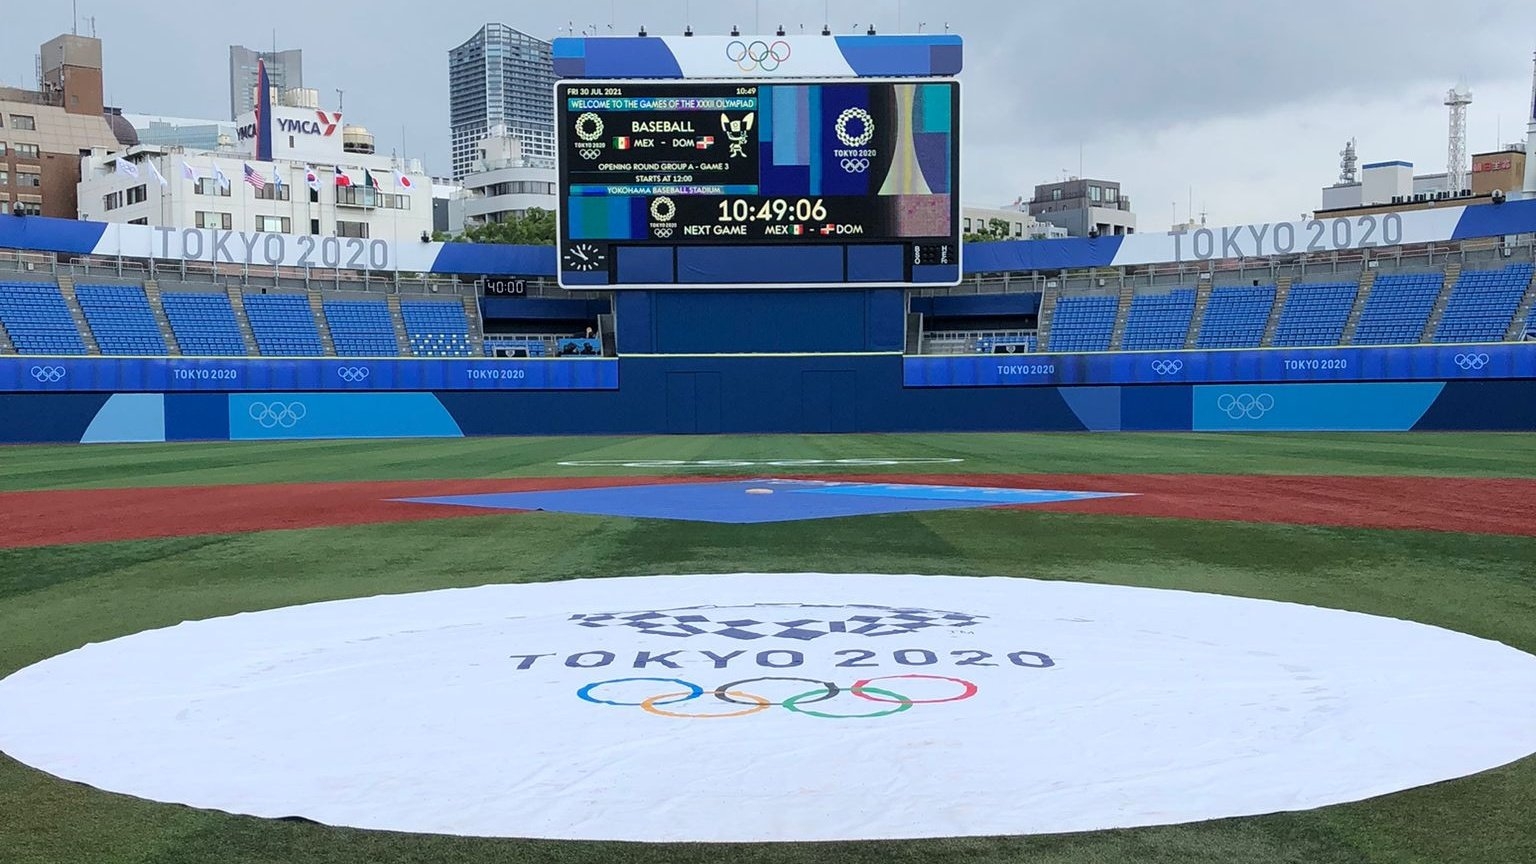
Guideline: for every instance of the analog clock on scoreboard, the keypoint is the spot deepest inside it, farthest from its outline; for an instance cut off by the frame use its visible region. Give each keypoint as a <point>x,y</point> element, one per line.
<point>791,183</point>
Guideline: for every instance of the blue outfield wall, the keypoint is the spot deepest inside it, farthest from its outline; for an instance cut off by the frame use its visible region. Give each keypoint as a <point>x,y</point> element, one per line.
<point>752,394</point>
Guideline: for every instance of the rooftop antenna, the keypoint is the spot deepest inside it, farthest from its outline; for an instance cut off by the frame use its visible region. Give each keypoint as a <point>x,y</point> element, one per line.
<point>1457,101</point>
<point>74,17</point>
<point>1349,160</point>
<point>340,99</point>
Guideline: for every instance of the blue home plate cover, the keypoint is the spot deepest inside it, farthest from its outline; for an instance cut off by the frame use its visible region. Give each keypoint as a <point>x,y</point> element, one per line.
<point>774,707</point>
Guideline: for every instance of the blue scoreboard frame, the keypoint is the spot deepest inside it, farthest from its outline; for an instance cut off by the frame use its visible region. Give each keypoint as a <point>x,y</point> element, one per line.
<point>794,183</point>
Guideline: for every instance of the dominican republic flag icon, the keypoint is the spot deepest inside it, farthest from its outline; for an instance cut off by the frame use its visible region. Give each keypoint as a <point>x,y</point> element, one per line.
<point>621,143</point>
<point>705,142</point>
<point>342,180</point>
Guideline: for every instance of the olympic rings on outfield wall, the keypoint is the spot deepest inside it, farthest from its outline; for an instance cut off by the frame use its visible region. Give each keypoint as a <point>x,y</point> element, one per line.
<point>855,166</point>
<point>1244,405</point>
<point>749,463</point>
<point>1167,367</point>
<point>353,374</point>
<point>757,55</point>
<point>1472,362</point>
<point>822,691</point>
<point>286,415</point>
<point>48,374</point>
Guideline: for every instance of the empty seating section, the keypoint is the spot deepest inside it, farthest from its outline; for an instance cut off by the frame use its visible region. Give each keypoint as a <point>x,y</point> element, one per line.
<point>1315,314</point>
<point>121,320</point>
<point>361,328</point>
<point>437,329</point>
<point>1398,308</point>
<point>204,324</point>
<point>1083,323</point>
<point>1159,321</point>
<point>284,325</point>
<point>1007,345</point>
<point>1236,317</point>
<point>37,319</point>
<point>1482,304</point>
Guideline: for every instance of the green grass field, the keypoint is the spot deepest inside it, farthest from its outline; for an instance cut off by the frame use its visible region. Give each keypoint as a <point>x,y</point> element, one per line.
<point>58,598</point>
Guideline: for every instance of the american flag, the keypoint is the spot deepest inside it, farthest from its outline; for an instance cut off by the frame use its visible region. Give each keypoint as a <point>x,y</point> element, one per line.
<point>253,177</point>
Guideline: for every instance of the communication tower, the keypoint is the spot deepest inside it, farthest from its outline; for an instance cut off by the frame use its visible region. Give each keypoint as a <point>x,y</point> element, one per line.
<point>1456,172</point>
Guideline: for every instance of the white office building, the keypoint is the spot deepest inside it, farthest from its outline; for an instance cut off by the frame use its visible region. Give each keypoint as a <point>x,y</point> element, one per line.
<point>501,79</point>
<point>502,184</point>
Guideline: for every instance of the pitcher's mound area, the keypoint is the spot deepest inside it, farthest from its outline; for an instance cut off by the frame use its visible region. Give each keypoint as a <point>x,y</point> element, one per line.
<point>774,707</point>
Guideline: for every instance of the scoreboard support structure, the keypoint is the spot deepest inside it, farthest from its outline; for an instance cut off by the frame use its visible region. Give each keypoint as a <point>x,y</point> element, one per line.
<point>790,162</point>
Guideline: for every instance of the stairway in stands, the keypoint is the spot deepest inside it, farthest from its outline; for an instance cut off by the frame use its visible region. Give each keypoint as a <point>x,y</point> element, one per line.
<point>317,308</point>
<point>1523,314</point>
<point>1122,316</point>
<point>152,294</point>
<point>1282,292</point>
<point>1047,312</point>
<point>1367,282</point>
<point>1452,274</point>
<point>6,346</point>
<point>67,288</point>
<point>401,336</point>
<point>476,329</point>
<point>237,302</point>
<point>1202,300</point>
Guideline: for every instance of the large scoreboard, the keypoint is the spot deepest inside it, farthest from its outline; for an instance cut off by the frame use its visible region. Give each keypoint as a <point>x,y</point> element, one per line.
<point>796,183</point>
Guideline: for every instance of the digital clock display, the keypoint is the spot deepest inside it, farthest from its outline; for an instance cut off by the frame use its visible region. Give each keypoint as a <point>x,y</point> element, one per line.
<point>824,163</point>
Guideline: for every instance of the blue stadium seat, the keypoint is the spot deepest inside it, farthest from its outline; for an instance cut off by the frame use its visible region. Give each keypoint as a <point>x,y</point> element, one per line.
<point>361,328</point>
<point>38,320</point>
<point>204,324</point>
<point>1083,323</point>
<point>121,320</point>
<point>1482,304</point>
<point>1315,314</point>
<point>437,329</point>
<point>1159,321</point>
<point>1398,308</point>
<point>284,325</point>
<point>1236,317</point>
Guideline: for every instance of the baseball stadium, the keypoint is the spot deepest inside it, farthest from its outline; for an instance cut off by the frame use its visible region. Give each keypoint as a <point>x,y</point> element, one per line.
<point>763,518</point>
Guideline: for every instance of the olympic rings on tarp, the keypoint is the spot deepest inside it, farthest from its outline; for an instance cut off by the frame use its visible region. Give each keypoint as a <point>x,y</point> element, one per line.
<point>891,701</point>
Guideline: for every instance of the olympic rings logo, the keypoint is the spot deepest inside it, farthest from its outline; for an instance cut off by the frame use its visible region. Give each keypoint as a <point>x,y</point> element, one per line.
<point>286,415</point>
<point>888,702</point>
<point>1167,367</point>
<point>855,166</point>
<point>757,55</point>
<point>663,209</point>
<point>1244,405</point>
<point>353,374</point>
<point>866,120</point>
<point>1472,362</point>
<point>48,374</point>
<point>589,127</point>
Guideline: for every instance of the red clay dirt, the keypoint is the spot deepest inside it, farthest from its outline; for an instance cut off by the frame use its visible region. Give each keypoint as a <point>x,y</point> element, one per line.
<point>1477,506</point>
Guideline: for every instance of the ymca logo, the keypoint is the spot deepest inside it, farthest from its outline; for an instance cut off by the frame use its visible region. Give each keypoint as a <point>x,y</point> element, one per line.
<point>324,125</point>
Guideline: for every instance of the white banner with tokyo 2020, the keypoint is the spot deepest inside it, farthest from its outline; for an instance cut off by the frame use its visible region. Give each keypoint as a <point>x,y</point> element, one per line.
<point>774,707</point>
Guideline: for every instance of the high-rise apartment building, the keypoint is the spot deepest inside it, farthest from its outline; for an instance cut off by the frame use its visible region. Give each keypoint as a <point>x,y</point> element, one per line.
<point>501,82</point>
<point>285,70</point>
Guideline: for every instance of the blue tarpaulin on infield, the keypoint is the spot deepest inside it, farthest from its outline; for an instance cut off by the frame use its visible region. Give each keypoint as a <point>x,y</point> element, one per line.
<point>733,502</point>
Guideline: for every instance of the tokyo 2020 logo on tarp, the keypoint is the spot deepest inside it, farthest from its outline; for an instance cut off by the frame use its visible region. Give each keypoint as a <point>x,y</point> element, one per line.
<point>847,706</point>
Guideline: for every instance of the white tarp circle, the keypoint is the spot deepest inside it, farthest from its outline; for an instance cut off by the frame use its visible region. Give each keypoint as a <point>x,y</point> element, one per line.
<point>758,707</point>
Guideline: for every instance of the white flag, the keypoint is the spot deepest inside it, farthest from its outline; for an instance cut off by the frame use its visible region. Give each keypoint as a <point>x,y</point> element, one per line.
<point>155,170</point>
<point>188,172</point>
<point>126,167</point>
<point>219,178</point>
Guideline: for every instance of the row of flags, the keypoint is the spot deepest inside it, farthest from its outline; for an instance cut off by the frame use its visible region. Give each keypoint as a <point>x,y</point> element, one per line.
<point>255,178</point>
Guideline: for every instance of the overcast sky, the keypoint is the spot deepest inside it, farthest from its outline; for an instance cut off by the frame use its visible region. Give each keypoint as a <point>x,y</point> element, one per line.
<point>1247,104</point>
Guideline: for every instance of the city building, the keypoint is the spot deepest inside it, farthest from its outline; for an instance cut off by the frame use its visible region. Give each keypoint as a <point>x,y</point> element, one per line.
<point>354,192</point>
<point>1016,223</point>
<point>1392,186</point>
<point>1086,208</point>
<point>502,184</point>
<point>501,79</point>
<point>285,70</point>
<point>44,131</point>
<point>191,133</point>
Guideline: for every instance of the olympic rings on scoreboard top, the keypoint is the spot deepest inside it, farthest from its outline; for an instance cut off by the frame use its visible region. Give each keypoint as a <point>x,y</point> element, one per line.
<point>757,55</point>
<point>660,704</point>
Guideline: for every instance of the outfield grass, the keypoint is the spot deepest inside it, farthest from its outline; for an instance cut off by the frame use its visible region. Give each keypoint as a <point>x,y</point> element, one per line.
<point>55,599</point>
<point>1458,454</point>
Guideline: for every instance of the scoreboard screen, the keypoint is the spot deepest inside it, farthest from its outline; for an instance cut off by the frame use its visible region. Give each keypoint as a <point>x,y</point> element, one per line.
<point>792,183</point>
